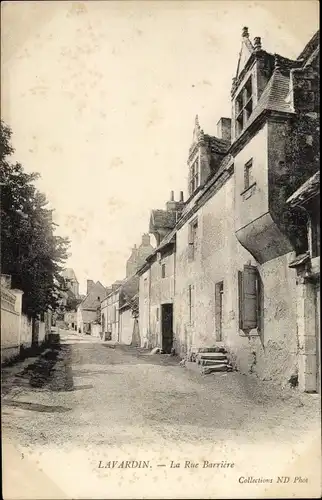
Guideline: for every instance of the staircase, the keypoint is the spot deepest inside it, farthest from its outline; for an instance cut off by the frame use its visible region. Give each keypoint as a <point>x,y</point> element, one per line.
<point>210,360</point>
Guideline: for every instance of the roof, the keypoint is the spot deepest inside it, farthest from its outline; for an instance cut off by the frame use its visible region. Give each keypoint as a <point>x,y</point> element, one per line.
<point>164,219</point>
<point>274,97</point>
<point>217,145</point>
<point>89,302</point>
<point>308,190</point>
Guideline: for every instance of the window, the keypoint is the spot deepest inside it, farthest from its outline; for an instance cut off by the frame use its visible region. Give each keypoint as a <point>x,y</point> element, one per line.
<point>157,314</point>
<point>244,106</point>
<point>249,298</point>
<point>248,174</point>
<point>193,239</point>
<point>194,176</point>
<point>163,271</point>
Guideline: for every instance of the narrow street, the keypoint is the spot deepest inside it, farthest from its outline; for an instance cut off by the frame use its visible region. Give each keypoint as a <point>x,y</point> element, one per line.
<point>85,403</point>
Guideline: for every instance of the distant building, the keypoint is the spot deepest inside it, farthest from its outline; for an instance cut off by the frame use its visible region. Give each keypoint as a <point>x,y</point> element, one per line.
<point>138,255</point>
<point>71,281</point>
<point>88,309</point>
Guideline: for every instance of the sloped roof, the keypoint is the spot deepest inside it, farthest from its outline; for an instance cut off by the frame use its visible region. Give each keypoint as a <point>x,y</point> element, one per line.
<point>91,299</point>
<point>274,97</point>
<point>309,189</point>
<point>163,219</point>
<point>218,145</point>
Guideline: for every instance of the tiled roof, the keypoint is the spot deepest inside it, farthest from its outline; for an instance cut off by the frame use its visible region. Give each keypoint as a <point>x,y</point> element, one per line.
<point>163,219</point>
<point>274,97</point>
<point>309,189</point>
<point>218,145</point>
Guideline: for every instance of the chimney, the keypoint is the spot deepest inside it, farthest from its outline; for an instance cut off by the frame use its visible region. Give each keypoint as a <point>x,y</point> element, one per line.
<point>245,33</point>
<point>90,284</point>
<point>257,43</point>
<point>171,205</point>
<point>145,240</point>
<point>224,129</point>
<point>181,197</point>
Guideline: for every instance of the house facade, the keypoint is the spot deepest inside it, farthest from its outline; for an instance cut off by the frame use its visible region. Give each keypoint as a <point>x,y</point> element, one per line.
<point>88,310</point>
<point>235,238</point>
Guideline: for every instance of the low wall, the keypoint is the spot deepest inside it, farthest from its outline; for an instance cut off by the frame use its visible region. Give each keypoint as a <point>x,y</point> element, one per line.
<point>10,322</point>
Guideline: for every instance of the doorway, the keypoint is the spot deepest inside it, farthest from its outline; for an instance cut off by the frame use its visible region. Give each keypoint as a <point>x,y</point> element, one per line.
<point>167,327</point>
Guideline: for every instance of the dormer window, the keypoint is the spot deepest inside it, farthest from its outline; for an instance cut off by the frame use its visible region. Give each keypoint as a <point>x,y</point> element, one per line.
<point>244,106</point>
<point>194,175</point>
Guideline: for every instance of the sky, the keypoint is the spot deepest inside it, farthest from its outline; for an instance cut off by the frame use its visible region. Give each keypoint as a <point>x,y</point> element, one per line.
<point>102,98</point>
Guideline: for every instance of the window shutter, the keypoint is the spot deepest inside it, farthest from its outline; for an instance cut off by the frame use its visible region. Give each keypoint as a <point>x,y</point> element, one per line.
<point>240,298</point>
<point>250,298</point>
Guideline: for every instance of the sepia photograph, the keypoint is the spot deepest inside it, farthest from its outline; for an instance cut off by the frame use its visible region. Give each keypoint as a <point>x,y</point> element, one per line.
<point>160,249</point>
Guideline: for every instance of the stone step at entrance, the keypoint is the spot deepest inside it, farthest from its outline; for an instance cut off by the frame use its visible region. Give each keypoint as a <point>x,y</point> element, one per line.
<point>210,360</point>
<point>216,368</point>
<point>210,355</point>
<point>213,362</point>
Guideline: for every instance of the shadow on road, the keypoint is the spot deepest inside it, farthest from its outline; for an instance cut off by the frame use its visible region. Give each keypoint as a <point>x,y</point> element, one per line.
<point>36,406</point>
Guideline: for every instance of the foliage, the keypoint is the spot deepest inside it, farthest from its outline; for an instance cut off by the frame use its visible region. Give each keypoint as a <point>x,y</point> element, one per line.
<point>30,251</point>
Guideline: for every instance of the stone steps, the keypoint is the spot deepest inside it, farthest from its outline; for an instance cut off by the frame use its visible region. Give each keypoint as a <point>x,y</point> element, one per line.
<point>213,362</point>
<point>213,359</point>
<point>210,356</point>
<point>216,368</point>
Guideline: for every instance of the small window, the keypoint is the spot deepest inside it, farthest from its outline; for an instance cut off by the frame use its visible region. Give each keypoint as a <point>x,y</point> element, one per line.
<point>249,298</point>
<point>248,174</point>
<point>157,314</point>
<point>163,271</point>
<point>193,239</point>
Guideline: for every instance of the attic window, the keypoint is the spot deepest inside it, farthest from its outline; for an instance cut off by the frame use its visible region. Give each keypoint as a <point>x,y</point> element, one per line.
<point>243,106</point>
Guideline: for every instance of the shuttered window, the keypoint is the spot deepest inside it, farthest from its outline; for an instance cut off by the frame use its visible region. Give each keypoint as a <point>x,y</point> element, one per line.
<point>248,288</point>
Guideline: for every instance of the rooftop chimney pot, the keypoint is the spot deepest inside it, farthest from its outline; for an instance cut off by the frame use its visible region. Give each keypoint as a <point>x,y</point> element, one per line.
<point>257,43</point>
<point>245,33</point>
<point>181,196</point>
<point>172,196</point>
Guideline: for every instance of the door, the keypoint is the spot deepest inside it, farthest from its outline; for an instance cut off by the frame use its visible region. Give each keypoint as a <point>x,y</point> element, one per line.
<point>167,327</point>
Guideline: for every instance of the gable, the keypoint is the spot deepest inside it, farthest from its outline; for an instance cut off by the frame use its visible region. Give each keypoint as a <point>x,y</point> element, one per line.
<point>91,300</point>
<point>245,52</point>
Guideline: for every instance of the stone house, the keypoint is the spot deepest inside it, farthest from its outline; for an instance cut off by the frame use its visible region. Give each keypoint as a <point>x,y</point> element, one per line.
<point>157,275</point>
<point>234,239</point>
<point>87,310</point>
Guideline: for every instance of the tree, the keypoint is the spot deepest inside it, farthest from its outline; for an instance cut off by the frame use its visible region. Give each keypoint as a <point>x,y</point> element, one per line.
<point>30,251</point>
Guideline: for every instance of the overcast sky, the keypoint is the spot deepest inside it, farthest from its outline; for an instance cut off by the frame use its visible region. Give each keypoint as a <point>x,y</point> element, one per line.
<point>102,97</point>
